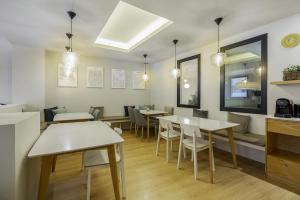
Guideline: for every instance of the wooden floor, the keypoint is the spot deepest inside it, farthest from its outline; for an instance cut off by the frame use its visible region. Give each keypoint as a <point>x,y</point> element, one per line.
<point>150,178</point>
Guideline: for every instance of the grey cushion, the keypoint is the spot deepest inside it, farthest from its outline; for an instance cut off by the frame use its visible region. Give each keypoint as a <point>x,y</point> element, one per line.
<point>242,120</point>
<point>169,110</point>
<point>245,137</point>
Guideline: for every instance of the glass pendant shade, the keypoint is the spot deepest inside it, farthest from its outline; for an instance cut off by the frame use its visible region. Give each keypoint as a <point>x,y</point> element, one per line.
<point>145,77</point>
<point>175,73</point>
<point>218,59</point>
<point>70,59</point>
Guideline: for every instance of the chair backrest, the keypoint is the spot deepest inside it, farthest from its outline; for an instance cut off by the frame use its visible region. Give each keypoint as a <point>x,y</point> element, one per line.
<point>131,114</point>
<point>96,114</point>
<point>165,124</point>
<point>200,113</point>
<point>91,110</point>
<point>100,108</point>
<point>139,119</point>
<point>118,130</point>
<point>191,131</point>
<point>169,110</point>
<point>107,123</point>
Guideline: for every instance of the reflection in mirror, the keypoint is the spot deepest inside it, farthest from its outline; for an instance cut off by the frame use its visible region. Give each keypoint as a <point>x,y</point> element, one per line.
<point>188,90</point>
<point>243,77</point>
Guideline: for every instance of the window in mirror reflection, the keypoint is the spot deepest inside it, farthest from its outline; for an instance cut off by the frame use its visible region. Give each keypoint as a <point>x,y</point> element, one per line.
<point>243,76</point>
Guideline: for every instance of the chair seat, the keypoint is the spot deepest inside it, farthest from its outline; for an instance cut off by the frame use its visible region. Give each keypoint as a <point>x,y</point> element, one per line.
<point>172,134</point>
<point>200,143</point>
<point>97,157</point>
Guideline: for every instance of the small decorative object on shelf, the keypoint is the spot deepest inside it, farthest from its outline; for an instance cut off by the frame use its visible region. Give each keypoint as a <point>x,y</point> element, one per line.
<point>292,72</point>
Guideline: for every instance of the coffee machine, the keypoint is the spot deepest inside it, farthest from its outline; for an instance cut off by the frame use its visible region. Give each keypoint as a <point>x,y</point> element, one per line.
<point>284,108</point>
<point>297,110</point>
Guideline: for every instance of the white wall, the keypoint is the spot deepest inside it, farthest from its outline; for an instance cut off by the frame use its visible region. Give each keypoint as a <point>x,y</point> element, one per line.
<point>163,87</point>
<point>5,70</point>
<point>28,76</point>
<point>81,98</point>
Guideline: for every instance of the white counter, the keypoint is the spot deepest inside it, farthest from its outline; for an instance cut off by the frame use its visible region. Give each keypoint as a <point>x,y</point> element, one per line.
<point>19,175</point>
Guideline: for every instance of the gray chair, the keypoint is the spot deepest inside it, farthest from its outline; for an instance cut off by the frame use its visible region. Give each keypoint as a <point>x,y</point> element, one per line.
<point>140,121</point>
<point>96,114</point>
<point>169,110</point>
<point>131,118</point>
<point>200,113</point>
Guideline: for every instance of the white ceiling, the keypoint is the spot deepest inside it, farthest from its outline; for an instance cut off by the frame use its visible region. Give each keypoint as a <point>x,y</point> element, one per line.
<point>43,23</point>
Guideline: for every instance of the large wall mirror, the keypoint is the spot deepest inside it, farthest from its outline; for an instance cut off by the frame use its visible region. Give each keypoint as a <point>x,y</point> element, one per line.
<point>188,84</point>
<point>244,76</point>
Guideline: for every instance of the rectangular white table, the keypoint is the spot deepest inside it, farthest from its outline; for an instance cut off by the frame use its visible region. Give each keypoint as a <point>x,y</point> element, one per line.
<point>208,126</point>
<point>66,138</point>
<point>73,117</point>
<point>148,114</point>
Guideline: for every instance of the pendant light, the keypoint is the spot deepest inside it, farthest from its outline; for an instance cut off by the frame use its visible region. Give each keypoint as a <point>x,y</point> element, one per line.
<point>218,58</point>
<point>175,71</point>
<point>145,76</point>
<point>70,58</point>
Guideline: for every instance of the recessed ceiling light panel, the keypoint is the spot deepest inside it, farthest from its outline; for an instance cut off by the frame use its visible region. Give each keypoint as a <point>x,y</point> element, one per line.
<point>128,27</point>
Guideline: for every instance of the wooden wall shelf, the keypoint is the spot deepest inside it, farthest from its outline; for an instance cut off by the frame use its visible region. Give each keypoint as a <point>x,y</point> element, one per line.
<point>285,82</point>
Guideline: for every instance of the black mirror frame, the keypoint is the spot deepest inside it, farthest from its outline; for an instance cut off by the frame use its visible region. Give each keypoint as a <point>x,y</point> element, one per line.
<point>264,76</point>
<point>198,57</point>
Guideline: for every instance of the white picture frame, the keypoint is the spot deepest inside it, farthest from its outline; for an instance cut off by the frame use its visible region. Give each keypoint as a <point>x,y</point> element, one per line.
<point>94,77</point>
<point>118,79</point>
<point>66,77</point>
<point>138,82</point>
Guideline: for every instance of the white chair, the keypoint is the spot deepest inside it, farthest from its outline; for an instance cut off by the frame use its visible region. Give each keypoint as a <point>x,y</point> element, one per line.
<point>191,138</point>
<point>167,134</point>
<point>99,158</point>
<point>108,123</point>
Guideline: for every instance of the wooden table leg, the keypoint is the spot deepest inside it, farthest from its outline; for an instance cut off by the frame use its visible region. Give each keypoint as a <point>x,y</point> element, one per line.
<point>232,146</point>
<point>113,170</point>
<point>148,124</point>
<point>211,171</point>
<point>46,169</point>
<point>54,163</point>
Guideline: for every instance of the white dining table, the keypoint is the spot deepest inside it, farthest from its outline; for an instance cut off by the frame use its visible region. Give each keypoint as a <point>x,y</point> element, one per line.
<point>64,138</point>
<point>148,114</point>
<point>73,117</point>
<point>208,126</point>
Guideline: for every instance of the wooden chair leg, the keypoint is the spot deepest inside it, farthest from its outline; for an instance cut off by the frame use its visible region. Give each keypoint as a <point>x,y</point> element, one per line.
<point>179,153</point>
<point>184,152</point>
<point>171,145</point>
<point>157,145</point>
<point>142,132</point>
<point>130,127</point>
<point>88,193</point>
<point>167,150</point>
<point>195,164</point>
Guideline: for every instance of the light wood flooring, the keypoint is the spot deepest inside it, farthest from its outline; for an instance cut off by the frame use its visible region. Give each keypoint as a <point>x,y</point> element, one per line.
<point>150,178</point>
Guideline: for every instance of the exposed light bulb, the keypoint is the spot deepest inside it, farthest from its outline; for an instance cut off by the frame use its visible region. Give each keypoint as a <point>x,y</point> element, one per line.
<point>145,77</point>
<point>187,86</point>
<point>175,73</point>
<point>218,59</point>
<point>259,70</point>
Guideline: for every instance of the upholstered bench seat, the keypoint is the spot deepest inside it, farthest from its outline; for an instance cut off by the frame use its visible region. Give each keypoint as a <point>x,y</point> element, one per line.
<point>251,138</point>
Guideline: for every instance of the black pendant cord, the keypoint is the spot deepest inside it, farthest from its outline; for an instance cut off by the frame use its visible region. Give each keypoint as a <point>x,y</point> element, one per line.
<point>145,63</point>
<point>218,38</point>
<point>72,35</point>
<point>175,59</point>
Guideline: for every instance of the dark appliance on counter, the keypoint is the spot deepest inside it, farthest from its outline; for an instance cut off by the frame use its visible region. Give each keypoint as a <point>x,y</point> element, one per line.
<point>284,108</point>
<point>297,110</point>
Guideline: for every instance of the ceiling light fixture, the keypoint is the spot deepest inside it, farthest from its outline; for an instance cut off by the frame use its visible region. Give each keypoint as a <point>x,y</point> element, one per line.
<point>218,58</point>
<point>70,58</point>
<point>116,36</point>
<point>175,71</point>
<point>145,76</point>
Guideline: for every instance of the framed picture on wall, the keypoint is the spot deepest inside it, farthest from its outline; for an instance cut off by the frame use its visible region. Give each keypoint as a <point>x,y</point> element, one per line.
<point>137,80</point>
<point>94,77</point>
<point>66,77</point>
<point>118,78</point>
